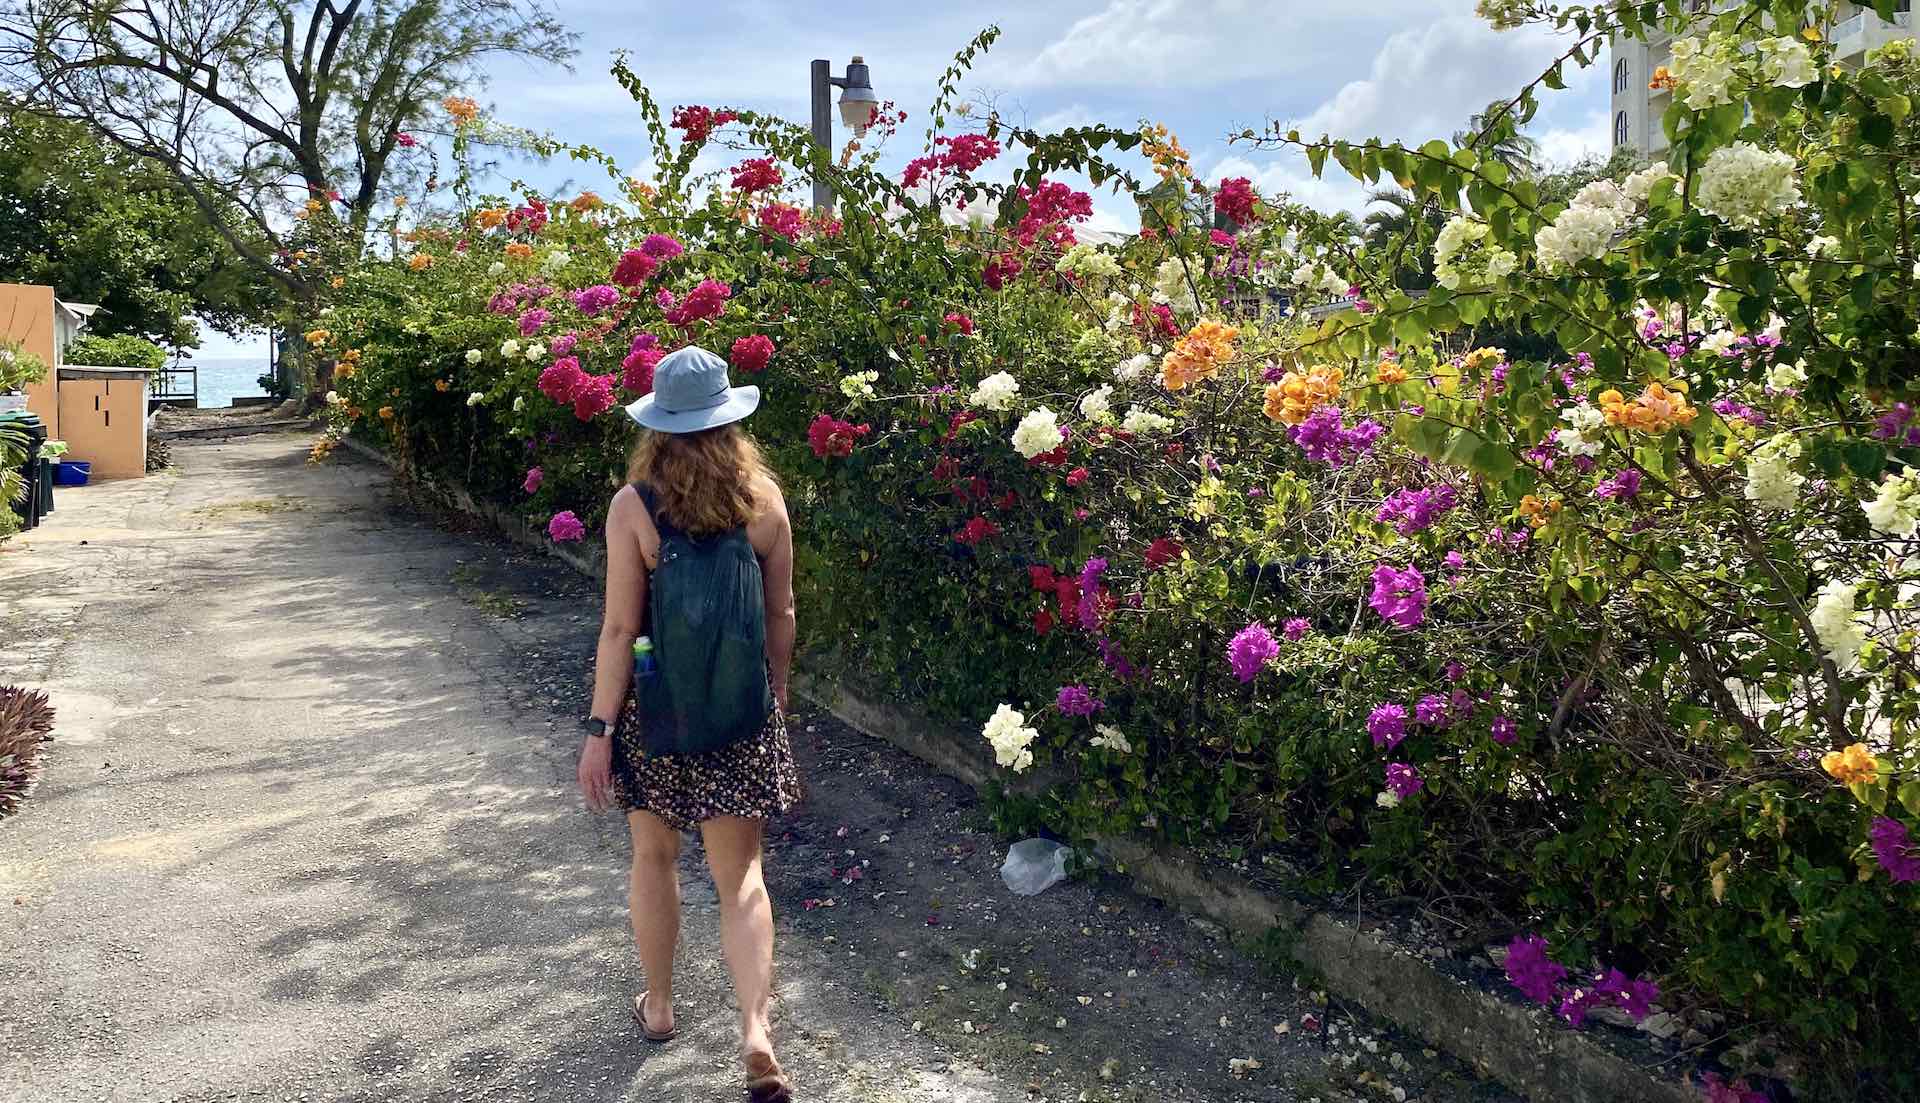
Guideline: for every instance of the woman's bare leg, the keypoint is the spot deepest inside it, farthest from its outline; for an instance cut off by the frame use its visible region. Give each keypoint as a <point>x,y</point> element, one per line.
<point>653,904</point>
<point>746,922</point>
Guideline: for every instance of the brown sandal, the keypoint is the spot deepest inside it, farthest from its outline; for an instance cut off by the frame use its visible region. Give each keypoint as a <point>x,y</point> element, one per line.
<point>765,1082</point>
<point>640,1016</point>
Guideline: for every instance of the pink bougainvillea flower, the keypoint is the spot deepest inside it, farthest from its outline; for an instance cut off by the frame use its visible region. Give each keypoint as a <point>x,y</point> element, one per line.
<point>708,300</point>
<point>1250,650</point>
<point>1077,476</point>
<point>405,140</point>
<point>961,322</point>
<point>636,369</point>
<point>564,526</point>
<point>781,220</point>
<point>756,174</point>
<point>594,397</point>
<point>563,380</point>
<point>752,354</point>
<point>532,320</point>
<point>532,483</point>
<point>1235,199</point>
<point>662,246</point>
<point>698,122</point>
<point>563,345</point>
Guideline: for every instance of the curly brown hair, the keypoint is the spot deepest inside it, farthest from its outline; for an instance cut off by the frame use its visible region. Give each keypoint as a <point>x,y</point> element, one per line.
<point>705,482</point>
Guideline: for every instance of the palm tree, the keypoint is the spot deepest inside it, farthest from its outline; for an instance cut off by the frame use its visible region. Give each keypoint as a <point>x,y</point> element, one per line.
<point>1404,226</point>
<point>1495,133</point>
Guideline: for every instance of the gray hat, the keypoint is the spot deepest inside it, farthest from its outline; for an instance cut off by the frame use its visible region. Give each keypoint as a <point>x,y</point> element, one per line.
<point>691,393</point>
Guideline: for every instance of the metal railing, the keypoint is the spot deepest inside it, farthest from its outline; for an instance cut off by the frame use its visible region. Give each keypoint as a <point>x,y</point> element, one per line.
<point>174,383</point>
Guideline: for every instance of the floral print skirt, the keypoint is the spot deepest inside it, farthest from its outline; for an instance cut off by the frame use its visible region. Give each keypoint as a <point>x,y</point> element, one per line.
<point>755,778</point>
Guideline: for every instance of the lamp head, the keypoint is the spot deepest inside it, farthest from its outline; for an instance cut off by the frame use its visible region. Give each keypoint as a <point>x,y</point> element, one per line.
<point>857,101</point>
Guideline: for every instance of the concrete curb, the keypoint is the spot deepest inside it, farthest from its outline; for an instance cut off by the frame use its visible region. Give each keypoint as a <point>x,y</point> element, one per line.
<point>1522,1047</point>
<point>214,432</point>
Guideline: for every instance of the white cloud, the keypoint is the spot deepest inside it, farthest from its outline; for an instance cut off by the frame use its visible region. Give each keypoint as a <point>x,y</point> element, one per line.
<point>1562,145</point>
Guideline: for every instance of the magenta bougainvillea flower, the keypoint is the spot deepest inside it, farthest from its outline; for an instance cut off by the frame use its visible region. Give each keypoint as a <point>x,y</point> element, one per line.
<point>532,320</point>
<point>1399,595</point>
<point>708,300</point>
<point>830,436</point>
<point>1431,711</point>
<point>1410,511</point>
<point>1503,730</point>
<point>1295,629</point>
<point>563,345</point>
<point>532,482</point>
<point>1894,848</point>
<point>1235,198</point>
<point>1387,724</point>
<point>1403,780</point>
<point>563,380</point>
<point>1250,650</point>
<point>564,526</point>
<point>594,397</point>
<point>1078,700</point>
<point>1530,969</point>
<point>595,300</point>
<point>1325,438</point>
<point>662,246</point>
<point>1623,485</point>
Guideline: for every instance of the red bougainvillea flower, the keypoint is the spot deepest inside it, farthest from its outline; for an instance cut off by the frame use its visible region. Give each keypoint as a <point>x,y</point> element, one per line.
<point>961,322</point>
<point>756,174</point>
<point>829,436</point>
<point>1042,622</point>
<point>1077,476</point>
<point>1043,577</point>
<point>530,218</point>
<point>405,140</point>
<point>565,526</point>
<point>594,397</point>
<point>699,122</point>
<point>782,220</point>
<point>634,268</point>
<point>1235,199</point>
<point>1163,551</point>
<point>959,155</point>
<point>708,300</point>
<point>751,354</point>
<point>976,530</point>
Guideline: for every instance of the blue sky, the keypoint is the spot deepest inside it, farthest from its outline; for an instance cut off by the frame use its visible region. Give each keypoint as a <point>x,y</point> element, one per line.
<point>1396,69</point>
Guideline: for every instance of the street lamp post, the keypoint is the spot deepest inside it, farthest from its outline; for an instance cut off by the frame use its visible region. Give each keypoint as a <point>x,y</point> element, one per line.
<point>857,102</point>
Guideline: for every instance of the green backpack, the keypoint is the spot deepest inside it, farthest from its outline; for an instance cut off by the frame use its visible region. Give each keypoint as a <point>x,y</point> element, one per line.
<point>707,616</point>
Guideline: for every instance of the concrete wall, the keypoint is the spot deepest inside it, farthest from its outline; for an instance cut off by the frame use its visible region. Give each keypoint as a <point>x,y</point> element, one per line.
<point>27,316</point>
<point>103,419</point>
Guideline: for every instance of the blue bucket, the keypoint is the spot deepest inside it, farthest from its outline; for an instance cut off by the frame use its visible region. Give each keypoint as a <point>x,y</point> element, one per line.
<point>72,473</point>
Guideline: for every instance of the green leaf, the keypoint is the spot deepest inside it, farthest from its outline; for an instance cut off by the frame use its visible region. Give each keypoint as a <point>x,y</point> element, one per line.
<point>1910,797</point>
<point>1494,460</point>
<point>1864,458</point>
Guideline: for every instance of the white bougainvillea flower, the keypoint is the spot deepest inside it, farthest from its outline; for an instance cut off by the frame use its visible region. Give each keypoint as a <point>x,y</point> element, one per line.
<point>995,392</point>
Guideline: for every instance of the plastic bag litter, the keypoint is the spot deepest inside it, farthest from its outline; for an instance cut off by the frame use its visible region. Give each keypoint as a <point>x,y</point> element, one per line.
<point>1035,865</point>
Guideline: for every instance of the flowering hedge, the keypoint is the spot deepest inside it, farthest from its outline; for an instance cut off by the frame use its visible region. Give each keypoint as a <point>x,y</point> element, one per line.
<point>1609,649</point>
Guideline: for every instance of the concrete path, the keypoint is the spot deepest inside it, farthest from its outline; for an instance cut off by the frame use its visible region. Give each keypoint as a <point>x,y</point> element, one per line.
<point>309,832</point>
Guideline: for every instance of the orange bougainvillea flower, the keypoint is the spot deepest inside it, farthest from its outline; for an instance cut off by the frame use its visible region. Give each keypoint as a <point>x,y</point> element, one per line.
<point>386,413</point>
<point>1538,512</point>
<point>337,282</point>
<point>519,250</point>
<point>420,261</point>
<point>318,337</point>
<point>586,201</point>
<point>1389,373</point>
<point>344,370</point>
<point>442,386</point>
<point>489,217</point>
<point>1198,355</point>
<point>1662,79</point>
<point>1299,393</point>
<point>461,108</point>
<point>1855,764</point>
<point>1656,409</point>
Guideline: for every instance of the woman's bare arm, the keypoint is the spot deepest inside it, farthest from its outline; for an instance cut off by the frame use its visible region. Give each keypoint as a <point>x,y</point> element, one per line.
<point>776,578</point>
<point>613,663</point>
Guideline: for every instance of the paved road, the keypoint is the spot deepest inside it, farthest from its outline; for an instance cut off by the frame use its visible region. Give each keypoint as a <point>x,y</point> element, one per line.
<point>310,834</point>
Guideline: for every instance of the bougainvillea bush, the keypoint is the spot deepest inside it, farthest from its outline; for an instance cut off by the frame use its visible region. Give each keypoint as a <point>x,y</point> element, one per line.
<point>1606,650</point>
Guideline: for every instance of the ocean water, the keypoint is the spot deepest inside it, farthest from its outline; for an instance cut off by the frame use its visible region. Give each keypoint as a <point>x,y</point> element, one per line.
<point>222,379</point>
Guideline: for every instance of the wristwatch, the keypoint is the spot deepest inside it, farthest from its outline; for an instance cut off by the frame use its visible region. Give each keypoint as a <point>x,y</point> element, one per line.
<point>597,727</point>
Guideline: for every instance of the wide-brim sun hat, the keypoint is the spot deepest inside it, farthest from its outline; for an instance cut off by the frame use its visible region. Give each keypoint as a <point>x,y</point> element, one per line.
<point>691,392</point>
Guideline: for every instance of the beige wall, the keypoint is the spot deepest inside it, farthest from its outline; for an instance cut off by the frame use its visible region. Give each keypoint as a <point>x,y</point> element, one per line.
<point>104,421</point>
<point>26,315</point>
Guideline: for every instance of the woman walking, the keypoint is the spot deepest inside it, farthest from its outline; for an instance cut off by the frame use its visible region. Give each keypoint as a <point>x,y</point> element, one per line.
<point>688,726</point>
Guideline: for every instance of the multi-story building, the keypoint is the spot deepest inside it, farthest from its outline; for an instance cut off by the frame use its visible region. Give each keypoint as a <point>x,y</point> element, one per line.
<point>1638,109</point>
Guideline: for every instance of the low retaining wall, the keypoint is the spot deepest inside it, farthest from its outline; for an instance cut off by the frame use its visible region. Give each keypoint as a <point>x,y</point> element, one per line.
<point>1522,1047</point>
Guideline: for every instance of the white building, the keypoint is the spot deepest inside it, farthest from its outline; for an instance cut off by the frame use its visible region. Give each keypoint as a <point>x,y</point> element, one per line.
<point>1638,109</point>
